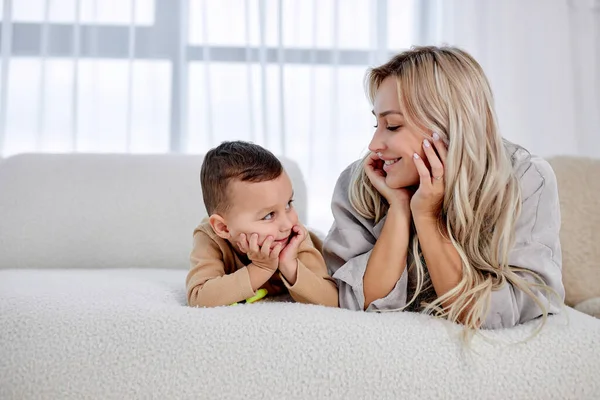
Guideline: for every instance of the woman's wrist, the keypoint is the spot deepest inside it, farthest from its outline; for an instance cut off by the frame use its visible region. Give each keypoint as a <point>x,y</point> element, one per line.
<point>402,206</point>
<point>424,218</point>
<point>399,215</point>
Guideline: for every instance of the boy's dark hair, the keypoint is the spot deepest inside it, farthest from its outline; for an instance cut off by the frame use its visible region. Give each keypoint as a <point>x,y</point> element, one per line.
<point>245,161</point>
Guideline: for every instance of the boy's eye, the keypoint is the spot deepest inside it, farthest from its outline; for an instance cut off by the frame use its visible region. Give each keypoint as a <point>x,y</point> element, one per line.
<point>289,204</point>
<point>269,216</point>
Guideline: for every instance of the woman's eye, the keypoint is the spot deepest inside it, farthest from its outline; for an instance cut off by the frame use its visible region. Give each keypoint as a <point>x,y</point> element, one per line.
<point>269,216</point>
<point>389,128</point>
<point>289,204</point>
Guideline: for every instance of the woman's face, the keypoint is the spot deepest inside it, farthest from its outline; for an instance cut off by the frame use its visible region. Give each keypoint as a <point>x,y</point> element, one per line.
<point>394,140</point>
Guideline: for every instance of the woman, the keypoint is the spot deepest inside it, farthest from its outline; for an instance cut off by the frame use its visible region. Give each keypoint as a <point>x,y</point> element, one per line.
<point>443,215</point>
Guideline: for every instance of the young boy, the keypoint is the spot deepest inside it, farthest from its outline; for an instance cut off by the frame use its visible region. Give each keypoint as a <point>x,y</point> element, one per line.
<point>252,238</point>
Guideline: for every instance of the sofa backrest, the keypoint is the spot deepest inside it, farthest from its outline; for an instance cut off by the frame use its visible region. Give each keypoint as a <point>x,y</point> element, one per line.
<point>579,192</point>
<point>104,210</point>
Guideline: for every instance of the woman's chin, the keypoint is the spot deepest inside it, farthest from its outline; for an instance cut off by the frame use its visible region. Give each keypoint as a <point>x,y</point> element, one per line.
<point>393,182</point>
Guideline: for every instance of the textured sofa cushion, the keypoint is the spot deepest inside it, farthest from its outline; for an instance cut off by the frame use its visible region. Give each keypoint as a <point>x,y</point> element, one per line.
<point>126,334</point>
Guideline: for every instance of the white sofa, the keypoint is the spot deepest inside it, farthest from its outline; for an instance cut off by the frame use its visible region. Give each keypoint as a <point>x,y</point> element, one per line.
<point>93,257</point>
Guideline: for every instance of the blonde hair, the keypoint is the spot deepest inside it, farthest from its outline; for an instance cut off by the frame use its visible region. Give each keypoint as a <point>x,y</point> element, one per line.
<point>444,90</point>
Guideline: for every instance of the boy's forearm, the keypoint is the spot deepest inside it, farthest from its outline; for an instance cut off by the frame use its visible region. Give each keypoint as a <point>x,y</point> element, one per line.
<point>258,276</point>
<point>289,271</point>
<point>219,290</point>
<point>313,286</point>
<point>306,276</point>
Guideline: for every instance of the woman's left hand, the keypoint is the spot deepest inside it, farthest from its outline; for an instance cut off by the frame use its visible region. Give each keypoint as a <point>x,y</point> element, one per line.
<point>427,200</point>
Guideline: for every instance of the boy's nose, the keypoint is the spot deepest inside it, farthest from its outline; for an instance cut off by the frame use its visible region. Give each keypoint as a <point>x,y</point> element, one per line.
<point>286,224</point>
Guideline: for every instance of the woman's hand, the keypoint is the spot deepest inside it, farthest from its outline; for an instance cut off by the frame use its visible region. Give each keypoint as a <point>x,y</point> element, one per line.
<point>427,200</point>
<point>373,166</point>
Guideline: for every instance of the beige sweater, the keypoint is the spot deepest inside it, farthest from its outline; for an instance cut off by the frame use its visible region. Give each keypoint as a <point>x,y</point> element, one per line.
<point>218,274</point>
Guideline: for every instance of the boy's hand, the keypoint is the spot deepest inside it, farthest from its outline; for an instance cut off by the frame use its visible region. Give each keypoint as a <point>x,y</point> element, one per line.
<point>289,255</point>
<point>262,256</point>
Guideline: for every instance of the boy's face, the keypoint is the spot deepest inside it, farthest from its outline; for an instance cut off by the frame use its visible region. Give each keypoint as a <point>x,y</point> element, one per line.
<point>264,208</point>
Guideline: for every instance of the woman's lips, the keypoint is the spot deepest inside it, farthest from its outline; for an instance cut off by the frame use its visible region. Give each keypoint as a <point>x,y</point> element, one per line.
<point>387,165</point>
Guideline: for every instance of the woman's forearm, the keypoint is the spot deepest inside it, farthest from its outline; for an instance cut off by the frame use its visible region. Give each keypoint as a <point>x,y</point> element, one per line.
<point>388,258</point>
<point>442,260</point>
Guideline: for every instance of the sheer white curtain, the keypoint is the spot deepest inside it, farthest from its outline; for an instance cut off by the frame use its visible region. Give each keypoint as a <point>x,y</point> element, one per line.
<point>156,76</point>
<point>543,61</point>
<point>160,76</point>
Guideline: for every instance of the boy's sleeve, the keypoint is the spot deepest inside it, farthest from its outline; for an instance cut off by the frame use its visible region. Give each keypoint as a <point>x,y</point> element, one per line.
<point>207,283</point>
<point>313,283</point>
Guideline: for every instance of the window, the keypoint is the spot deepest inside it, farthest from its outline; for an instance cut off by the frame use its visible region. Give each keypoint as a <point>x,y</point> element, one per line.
<point>181,76</point>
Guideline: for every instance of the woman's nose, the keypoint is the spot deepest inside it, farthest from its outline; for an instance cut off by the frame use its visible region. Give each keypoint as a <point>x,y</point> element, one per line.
<point>377,143</point>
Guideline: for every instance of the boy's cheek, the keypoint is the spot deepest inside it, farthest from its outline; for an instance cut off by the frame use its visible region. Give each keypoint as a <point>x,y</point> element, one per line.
<point>236,239</point>
<point>262,234</point>
<point>261,237</point>
<point>295,217</point>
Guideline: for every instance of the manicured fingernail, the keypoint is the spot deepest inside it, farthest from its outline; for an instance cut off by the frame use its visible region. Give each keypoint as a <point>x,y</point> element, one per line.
<point>426,143</point>
<point>416,156</point>
<point>436,136</point>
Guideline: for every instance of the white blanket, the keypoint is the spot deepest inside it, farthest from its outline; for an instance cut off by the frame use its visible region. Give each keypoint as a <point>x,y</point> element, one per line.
<point>126,334</point>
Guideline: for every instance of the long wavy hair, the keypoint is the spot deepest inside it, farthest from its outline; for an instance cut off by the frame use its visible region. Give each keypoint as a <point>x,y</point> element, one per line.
<point>444,90</point>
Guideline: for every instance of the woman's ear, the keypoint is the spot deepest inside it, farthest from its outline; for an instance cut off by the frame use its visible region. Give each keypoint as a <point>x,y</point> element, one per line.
<point>219,225</point>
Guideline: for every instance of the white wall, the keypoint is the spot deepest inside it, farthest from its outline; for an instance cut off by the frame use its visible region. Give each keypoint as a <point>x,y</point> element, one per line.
<point>542,58</point>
